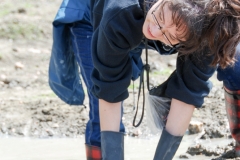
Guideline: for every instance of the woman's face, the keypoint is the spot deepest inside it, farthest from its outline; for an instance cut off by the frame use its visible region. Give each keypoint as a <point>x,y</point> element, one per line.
<point>159,25</point>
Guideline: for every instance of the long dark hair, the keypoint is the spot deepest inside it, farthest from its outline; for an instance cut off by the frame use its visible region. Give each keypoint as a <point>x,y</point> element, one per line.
<point>223,30</point>
<point>216,25</point>
<point>189,17</point>
<point>208,23</point>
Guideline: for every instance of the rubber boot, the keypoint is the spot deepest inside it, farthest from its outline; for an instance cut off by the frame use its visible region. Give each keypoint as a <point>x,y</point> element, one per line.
<point>167,146</point>
<point>232,103</point>
<point>112,145</point>
<point>93,152</point>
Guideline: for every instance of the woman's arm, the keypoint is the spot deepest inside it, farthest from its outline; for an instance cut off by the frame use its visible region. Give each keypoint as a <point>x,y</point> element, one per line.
<point>110,115</point>
<point>116,32</point>
<point>187,89</point>
<point>179,117</point>
<point>191,82</point>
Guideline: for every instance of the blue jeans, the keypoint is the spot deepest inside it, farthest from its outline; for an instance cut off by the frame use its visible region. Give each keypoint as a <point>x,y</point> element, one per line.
<point>81,36</point>
<point>231,75</point>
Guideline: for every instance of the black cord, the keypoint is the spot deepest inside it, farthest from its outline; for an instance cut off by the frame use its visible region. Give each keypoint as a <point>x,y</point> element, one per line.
<point>141,86</point>
<point>141,81</point>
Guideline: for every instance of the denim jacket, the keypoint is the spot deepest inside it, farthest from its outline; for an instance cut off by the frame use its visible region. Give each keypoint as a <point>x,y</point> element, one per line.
<point>64,77</point>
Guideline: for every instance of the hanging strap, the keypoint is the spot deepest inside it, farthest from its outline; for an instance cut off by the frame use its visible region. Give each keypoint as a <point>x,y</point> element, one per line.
<point>141,87</point>
<point>147,66</point>
<point>141,81</point>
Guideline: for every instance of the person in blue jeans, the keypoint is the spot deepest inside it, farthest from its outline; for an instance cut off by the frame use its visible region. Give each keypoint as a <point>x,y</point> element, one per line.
<point>231,82</point>
<point>81,36</point>
<point>112,34</point>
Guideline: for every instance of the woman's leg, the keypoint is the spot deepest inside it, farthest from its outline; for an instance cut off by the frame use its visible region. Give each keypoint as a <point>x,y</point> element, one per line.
<point>177,123</point>
<point>81,35</point>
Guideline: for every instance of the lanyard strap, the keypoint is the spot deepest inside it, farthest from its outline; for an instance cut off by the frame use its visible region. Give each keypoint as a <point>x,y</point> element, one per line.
<point>141,81</point>
<point>141,87</point>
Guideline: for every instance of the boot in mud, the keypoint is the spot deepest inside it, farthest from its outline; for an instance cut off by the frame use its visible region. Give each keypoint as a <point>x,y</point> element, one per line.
<point>112,145</point>
<point>167,146</point>
<point>93,152</point>
<point>232,103</point>
<point>229,154</point>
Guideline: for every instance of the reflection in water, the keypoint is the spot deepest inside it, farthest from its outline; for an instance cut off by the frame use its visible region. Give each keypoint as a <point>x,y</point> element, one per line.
<point>73,149</point>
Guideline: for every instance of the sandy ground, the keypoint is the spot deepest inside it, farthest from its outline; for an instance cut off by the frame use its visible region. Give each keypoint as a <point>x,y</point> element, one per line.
<point>28,108</point>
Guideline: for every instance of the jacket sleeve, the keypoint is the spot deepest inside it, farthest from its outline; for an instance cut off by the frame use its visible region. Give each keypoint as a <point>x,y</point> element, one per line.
<point>191,83</point>
<point>116,32</point>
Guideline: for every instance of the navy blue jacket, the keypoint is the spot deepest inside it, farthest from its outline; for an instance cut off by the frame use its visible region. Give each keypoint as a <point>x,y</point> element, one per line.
<point>117,37</point>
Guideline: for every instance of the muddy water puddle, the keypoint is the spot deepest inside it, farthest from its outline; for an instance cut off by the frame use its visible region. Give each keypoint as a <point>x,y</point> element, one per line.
<point>73,149</point>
